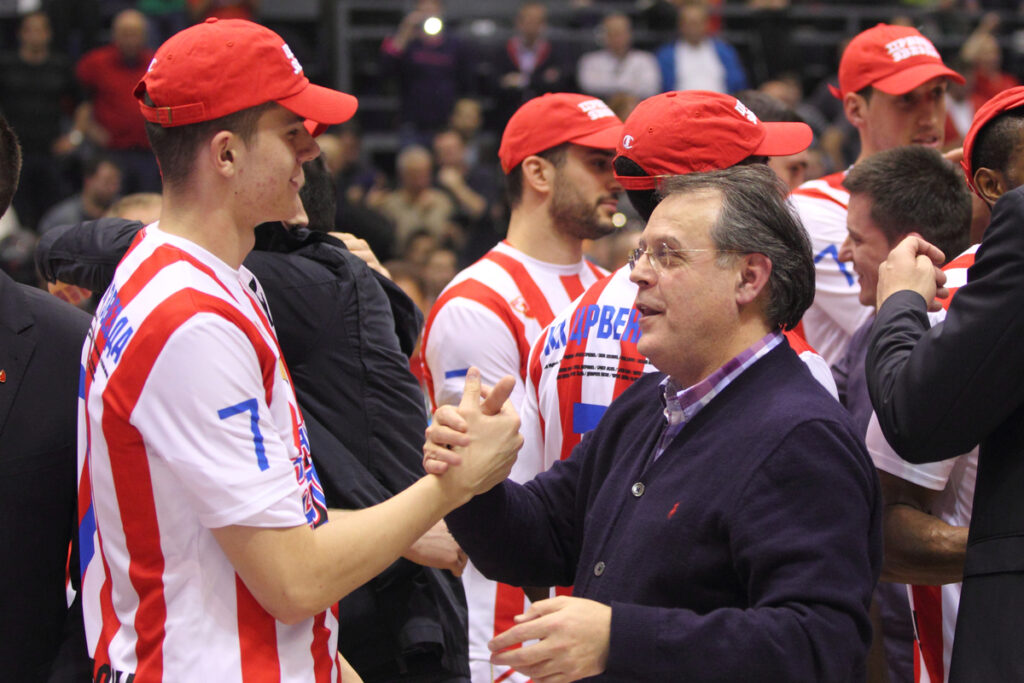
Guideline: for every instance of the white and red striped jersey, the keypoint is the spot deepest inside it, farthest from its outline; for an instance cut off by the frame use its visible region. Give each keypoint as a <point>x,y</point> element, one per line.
<point>836,312</point>
<point>583,360</point>
<point>188,422</point>
<point>935,607</point>
<point>488,317</point>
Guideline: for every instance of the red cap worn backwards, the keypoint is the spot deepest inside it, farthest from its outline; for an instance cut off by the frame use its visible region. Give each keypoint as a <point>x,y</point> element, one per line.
<point>556,118</point>
<point>221,67</point>
<point>893,59</point>
<point>1011,98</point>
<point>692,131</point>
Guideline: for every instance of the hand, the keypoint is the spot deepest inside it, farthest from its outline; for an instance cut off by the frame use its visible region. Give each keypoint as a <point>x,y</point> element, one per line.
<point>493,441</point>
<point>574,634</point>
<point>913,264</point>
<point>450,177</point>
<point>360,248</point>
<point>437,549</point>
<point>448,428</point>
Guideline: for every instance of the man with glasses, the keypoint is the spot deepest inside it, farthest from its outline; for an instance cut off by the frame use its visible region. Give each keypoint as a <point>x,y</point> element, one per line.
<point>722,522</point>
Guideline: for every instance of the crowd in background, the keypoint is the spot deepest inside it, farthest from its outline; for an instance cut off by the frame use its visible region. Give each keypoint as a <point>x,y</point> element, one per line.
<point>434,202</point>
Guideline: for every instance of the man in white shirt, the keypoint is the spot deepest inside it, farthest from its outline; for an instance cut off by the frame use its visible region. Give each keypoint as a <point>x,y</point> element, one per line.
<point>618,68</point>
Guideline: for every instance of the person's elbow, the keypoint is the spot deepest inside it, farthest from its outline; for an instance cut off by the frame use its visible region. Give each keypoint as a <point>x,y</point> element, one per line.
<point>291,603</point>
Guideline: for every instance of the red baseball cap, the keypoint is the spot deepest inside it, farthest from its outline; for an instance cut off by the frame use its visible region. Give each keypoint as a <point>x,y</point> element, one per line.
<point>692,131</point>
<point>893,59</point>
<point>556,118</point>
<point>1011,98</point>
<point>223,66</point>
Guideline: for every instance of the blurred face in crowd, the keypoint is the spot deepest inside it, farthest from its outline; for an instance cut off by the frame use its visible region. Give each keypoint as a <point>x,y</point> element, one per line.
<point>531,22</point>
<point>414,171</point>
<point>585,194</point>
<point>129,33</point>
<point>693,24</point>
<point>887,121</point>
<point>103,186</point>
<point>466,117</point>
<point>449,149</point>
<point>866,246</point>
<point>618,35</point>
<point>792,169</point>
<point>35,33</point>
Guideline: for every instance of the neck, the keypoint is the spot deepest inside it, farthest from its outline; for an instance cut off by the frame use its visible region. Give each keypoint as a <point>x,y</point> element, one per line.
<point>92,208</point>
<point>745,335</point>
<point>210,224</point>
<point>531,231</point>
<point>33,55</point>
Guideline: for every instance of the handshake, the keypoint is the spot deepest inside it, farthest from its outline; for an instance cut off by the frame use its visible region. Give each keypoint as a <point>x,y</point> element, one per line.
<point>471,447</point>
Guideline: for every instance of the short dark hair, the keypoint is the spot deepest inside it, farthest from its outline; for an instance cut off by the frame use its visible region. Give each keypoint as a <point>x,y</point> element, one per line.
<point>175,147</point>
<point>995,142</point>
<point>10,164</point>
<point>318,195</point>
<point>514,178</point>
<point>755,218</point>
<point>915,189</point>
<point>92,162</point>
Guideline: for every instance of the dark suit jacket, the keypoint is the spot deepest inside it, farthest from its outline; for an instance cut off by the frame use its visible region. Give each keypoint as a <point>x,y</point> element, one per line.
<point>40,349</point>
<point>939,392</point>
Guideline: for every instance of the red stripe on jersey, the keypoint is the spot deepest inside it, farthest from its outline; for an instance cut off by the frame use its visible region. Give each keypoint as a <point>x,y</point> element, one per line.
<point>597,272</point>
<point>963,261</point>
<point>257,638</point>
<point>111,624</point>
<point>535,372</point>
<point>928,620</point>
<point>508,602</point>
<point>320,649</point>
<point>818,194</point>
<point>536,302</point>
<point>570,389</point>
<point>474,290</point>
<point>797,342</point>
<point>163,256</point>
<point>573,286</point>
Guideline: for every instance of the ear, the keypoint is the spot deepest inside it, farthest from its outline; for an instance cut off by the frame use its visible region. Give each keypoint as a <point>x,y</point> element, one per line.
<point>223,153</point>
<point>856,109</point>
<point>991,184</point>
<point>752,277</point>
<point>539,174</point>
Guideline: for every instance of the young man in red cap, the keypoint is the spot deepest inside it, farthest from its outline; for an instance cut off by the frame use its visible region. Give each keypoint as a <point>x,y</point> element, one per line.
<point>556,152</point>
<point>892,83</point>
<point>939,392</point>
<point>588,355</point>
<point>204,536</point>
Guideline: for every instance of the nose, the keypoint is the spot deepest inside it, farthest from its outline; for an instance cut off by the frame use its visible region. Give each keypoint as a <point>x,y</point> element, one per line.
<point>642,273</point>
<point>846,250</point>
<point>307,147</point>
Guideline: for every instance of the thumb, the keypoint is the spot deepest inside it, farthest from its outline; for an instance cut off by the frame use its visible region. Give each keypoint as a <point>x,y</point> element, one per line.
<point>471,393</point>
<point>498,395</point>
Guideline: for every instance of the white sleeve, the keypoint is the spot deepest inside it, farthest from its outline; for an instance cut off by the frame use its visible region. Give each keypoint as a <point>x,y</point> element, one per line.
<point>203,411</point>
<point>933,475</point>
<point>466,333</point>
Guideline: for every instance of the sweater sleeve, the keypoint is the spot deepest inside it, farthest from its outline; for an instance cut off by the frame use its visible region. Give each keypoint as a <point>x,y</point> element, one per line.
<point>806,542</point>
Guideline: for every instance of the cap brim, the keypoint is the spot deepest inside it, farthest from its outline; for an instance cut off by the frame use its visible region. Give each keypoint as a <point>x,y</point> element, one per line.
<point>321,105</point>
<point>784,138</point>
<point>904,81</point>
<point>606,138</point>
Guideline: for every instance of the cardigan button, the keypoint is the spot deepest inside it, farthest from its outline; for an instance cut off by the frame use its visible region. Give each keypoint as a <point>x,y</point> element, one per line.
<point>638,489</point>
<point>599,569</point>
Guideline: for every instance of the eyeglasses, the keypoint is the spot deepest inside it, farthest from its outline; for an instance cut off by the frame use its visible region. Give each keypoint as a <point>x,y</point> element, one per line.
<point>664,257</point>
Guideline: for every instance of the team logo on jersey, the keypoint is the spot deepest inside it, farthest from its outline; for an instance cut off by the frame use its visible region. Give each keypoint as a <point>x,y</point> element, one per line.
<point>519,304</point>
<point>314,504</point>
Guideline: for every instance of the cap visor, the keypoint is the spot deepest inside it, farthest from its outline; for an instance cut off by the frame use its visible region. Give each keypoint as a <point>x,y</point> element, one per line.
<point>606,138</point>
<point>321,105</point>
<point>902,82</point>
<point>784,138</point>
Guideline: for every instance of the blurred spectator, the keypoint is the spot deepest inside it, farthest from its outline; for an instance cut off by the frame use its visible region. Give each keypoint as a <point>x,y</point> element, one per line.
<point>696,61</point>
<point>467,120</point>
<point>166,17</point>
<point>416,203</point>
<point>441,267</point>
<point>983,59</point>
<point>788,90</point>
<point>959,107</point>
<point>111,118</point>
<point>37,92</point>
<point>530,64</point>
<point>433,68</point>
<point>101,184</point>
<point>618,68</point>
<point>473,189</point>
<point>223,9</point>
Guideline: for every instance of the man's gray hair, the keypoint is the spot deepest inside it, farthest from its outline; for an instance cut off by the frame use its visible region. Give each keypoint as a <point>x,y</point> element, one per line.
<point>756,218</point>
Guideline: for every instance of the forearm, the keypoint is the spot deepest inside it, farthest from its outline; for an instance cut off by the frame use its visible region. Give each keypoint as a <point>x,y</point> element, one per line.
<point>921,549</point>
<point>473,204</point>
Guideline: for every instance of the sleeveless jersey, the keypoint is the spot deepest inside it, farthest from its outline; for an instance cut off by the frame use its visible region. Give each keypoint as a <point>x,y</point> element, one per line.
<point>836,312</point>
<point>488,316</point>
<point>935,607</point>
<point>188,422</point>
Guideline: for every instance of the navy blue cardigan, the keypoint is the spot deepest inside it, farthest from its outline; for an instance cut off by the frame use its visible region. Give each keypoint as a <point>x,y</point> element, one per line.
<point>747,551</point>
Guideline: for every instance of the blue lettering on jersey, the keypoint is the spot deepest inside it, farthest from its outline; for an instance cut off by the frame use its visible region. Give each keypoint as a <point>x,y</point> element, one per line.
<point>594,321</point>
<point>114,327</point>
<point>833,251</point>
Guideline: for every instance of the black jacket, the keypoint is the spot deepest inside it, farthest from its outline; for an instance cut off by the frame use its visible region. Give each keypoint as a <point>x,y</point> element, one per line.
<point>346,334</point>
<point>939,392</point>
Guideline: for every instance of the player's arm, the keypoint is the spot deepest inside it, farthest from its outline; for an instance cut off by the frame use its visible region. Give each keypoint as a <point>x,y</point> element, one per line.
<point>920,548</point>
<point>297,572</point>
